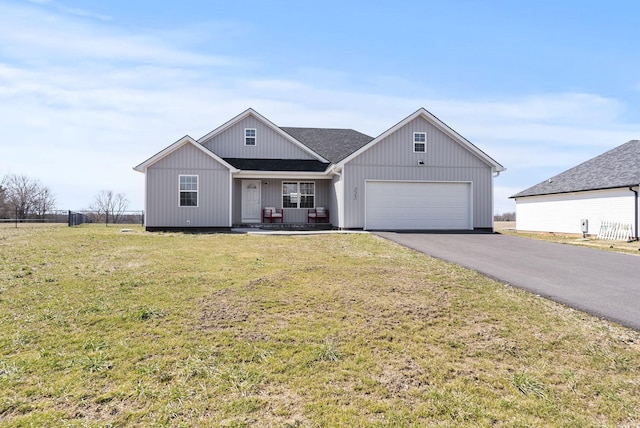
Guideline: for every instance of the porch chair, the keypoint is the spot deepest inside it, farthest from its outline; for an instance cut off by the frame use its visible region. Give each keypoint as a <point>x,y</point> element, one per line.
<point>318,213</point>
<point>272,214</point>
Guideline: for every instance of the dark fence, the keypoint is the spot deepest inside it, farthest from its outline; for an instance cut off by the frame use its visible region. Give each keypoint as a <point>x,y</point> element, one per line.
<point>126,217</point>
<point>74,218</point>
<point>56,216</point>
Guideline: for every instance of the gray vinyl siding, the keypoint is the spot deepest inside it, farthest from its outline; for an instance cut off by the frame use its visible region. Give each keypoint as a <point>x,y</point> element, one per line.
<point>269,143</point>
<point>162,191</point>
<point>397,149</point>
<point>393,159</point>
<point>271,196</point>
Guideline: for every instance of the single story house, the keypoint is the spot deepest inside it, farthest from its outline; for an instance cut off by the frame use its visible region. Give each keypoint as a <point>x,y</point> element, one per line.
<point>602,189</point>
<point>419,174</point>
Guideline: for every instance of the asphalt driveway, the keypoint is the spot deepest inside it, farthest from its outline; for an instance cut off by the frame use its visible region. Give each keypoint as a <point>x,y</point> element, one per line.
<point>602,283</point>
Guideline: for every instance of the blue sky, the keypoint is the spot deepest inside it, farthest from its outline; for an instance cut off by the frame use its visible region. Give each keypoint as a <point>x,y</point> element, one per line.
<point>90,89</point>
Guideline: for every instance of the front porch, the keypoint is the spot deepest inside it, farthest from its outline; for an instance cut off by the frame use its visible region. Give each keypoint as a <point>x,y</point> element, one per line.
<point>292,200</point>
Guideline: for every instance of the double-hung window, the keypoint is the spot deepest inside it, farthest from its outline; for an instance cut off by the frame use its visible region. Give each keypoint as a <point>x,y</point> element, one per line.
<point>250,137</point>
<point>188,190</point>
<point>298,194</point>
<point>419,142</point>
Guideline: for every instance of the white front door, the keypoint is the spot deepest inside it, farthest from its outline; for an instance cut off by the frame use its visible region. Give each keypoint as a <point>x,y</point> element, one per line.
<point>251,203</point>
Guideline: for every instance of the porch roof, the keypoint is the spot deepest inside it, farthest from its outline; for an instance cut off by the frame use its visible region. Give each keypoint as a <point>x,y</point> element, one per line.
<point>302,165</point>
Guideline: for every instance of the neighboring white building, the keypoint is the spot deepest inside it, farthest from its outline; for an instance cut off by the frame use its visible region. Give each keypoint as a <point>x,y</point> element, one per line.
<point>602,189</point>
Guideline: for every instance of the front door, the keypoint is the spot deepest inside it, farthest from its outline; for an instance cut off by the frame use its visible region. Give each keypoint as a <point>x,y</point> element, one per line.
<point>251,203</point>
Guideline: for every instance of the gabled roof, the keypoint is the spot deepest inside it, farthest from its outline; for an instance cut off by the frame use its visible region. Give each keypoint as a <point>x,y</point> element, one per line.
<point>326,145</point>
<point>619,167</point>
<point>175,146</point>
<point>306,165</point>
<point>422,112</point>
<point>332,144</point>
<point>267,122</point>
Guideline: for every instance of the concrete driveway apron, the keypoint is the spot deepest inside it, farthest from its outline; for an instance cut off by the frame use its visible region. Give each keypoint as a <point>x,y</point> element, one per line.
<point>602,283</point>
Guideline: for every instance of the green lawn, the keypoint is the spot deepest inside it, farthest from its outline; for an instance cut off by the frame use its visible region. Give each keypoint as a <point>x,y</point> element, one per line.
<point>100,327</point>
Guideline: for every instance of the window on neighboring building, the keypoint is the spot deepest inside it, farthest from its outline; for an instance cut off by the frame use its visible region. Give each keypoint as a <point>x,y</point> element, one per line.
<point>188,190</point>
<point>298,194</point>
<point>419,142</point>
<point>250,137</point>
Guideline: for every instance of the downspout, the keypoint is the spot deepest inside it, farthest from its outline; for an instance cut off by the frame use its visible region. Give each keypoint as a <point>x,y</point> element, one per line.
<point>635,238</point>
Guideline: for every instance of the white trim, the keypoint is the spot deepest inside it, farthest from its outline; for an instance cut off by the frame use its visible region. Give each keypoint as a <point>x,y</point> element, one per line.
<point>422,112</point>
<point>197,190</point>
<point>231,199</point>
<point>146,198</point>
<point>175,146</point>
<point>251,112</point>
<point>343,201</point>
<point>255,137</point>
<point>338,188</point>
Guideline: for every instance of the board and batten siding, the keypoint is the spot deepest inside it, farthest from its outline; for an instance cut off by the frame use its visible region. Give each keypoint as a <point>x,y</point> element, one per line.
<point>162,191</point>
<point>271,196</point>
<point>393,158</point>
<point>269,143</point>
<point>564,212</point>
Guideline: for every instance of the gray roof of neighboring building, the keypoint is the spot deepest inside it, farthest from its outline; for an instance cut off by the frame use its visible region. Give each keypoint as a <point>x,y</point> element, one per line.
<point>619,167</point>
<point>332,144</point>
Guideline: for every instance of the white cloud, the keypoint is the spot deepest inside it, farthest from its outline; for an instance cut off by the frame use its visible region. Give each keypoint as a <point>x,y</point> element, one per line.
<point>36,36</point>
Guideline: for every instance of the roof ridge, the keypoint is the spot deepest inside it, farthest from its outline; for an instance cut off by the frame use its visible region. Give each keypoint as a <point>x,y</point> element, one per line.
<point>324,129</point>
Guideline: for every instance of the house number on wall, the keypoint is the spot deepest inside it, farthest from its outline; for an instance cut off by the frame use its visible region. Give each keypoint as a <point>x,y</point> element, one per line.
<point>355,193</point>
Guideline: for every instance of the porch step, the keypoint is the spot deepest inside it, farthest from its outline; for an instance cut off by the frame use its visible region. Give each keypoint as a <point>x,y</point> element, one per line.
<point>284,226</point>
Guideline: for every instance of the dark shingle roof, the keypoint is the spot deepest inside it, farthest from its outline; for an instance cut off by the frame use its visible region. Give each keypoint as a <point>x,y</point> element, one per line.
<point>332,144</point>
<point>307,165</point>
<point>619,167</point>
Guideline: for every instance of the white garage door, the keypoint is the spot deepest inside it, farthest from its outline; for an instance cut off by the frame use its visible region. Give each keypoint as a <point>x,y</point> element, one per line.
<point>416,205</point>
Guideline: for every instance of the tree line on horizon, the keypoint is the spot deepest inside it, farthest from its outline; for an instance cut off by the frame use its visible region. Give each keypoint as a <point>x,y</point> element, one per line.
<point>23,197</point>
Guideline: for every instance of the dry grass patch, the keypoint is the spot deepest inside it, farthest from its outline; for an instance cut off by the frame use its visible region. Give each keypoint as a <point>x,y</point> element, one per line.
<point>103,328</point>
<point>508,228</point>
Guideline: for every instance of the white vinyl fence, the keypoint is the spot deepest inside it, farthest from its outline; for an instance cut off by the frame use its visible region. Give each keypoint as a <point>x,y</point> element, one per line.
<point>615,231</point>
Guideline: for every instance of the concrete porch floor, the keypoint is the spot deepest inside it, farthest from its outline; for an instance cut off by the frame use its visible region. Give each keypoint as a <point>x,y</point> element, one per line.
<point>284,226</point>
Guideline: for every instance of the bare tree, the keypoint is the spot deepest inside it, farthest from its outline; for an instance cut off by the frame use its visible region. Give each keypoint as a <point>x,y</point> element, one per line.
<point>3,205</point>
<point>25,196</point>
<point>510,216</point>
<point>45,201</point>
<point>110,205</point>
